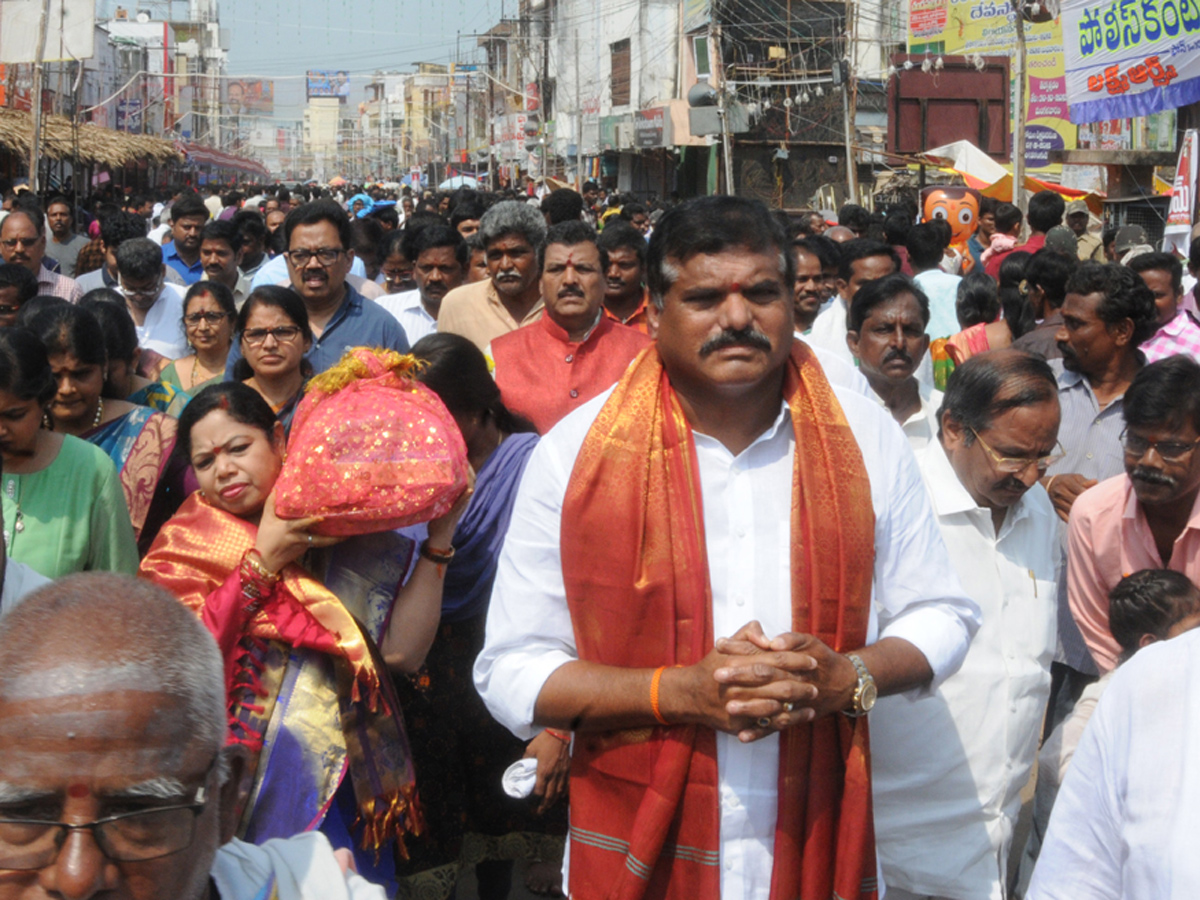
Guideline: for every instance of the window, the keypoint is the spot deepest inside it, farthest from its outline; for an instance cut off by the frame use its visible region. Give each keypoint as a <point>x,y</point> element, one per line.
<point>620,73</point>
<point>700,52</point>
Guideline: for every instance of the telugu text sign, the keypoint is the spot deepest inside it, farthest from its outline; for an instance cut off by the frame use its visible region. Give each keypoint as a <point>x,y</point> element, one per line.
<point>1128,58</point>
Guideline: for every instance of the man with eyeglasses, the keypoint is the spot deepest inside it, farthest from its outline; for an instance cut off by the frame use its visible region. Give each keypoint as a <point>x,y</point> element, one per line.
<point>23,243</point>
<point>319,256</point>
<point>949,765</point>
<point>115,776</point>
<point>155,306</point>
<point>1148,517</point>
<point>1107,313</point>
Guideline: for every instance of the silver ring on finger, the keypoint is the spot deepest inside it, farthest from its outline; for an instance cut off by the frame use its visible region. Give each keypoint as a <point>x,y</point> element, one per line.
<point>789,706</point>
<point>764,722</point>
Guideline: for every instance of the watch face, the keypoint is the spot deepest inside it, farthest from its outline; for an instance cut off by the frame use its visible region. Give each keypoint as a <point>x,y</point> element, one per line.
<point>869,695</point>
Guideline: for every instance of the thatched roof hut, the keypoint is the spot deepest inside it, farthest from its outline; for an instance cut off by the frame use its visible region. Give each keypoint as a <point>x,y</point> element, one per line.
<point>97,146</point>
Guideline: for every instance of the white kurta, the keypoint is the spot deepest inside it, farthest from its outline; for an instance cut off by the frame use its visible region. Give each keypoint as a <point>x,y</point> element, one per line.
<point>949,767</point>
<point>1127,818</point>
<point>162,330</point>
<point>747,502</point>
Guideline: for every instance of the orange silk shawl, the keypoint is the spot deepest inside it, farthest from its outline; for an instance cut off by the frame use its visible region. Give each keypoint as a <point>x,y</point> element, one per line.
<point>645,803</point>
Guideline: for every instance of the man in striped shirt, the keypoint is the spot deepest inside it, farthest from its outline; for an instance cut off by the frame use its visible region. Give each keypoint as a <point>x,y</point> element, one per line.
<point>23,243</point>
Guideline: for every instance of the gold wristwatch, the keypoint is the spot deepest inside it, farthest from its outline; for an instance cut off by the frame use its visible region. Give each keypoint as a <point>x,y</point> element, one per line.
<point>865,693</point>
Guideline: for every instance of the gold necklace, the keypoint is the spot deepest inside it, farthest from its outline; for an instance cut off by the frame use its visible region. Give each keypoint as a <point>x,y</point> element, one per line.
<point>99,414</point>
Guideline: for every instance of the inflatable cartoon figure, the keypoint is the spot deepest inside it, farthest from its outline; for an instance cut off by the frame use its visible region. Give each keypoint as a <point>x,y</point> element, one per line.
<point>960,207</point>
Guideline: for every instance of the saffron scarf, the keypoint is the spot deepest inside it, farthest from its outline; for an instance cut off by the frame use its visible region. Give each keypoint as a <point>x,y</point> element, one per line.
<point>645,803</point>
<point>353,720</point>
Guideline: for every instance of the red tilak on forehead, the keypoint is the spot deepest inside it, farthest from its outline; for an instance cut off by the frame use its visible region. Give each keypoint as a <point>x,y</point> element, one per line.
<point>77,791</point>
<point>736,288</point>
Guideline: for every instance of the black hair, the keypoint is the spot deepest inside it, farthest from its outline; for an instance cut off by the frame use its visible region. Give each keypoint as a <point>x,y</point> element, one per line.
<point>1014,307</point>
<point>386,216</point>
<point>216,290</point>
<point>1123,296</point>
<point>1193,260</point>
<point>1007,217</point>
<point>120,227</point>
<point>139,258</point>
<point>897,227</point>
<point>223,230</point>
<point>562,205</point>
<point>366,236</point>
<point>31,308</point>
<point>116,328</point>
<point>22,279</point>
<point>1164,394</point>
<point>240,402</point>
<point>925,245</point>
<point>281,298</point>
<point>1049,271</point>
<point>314,213</point>
<point>861,248</point>
<point>883,290</point>
<point>570,234</point>
<point>706,225</point>
<point>978,301</point>
<point>825,249</point>
<point>1149,601</point>
<point>944,231</point>
<point>1046,210</point>
<point>30,211</point>
<point>433,236</point>
<point>854,217</point>
<point>990,384</point>
<point>25,367</point>
<point>466,210</point>
<point>457,371</point>
<point>70,329</point>
<point>631,209</point>
<point>188,204</point>
<point>59,198</point>
<point>987,206</point>
<point>250,224</point>
<point>1160,262</point>
<point>621,235</point>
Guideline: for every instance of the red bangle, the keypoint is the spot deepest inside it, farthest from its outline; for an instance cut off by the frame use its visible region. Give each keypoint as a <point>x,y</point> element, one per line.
<point>561,735</point>
<point>654,682</point>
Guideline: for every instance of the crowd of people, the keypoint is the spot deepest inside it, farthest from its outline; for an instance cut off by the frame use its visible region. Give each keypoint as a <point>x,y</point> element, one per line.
<point>793,543</point>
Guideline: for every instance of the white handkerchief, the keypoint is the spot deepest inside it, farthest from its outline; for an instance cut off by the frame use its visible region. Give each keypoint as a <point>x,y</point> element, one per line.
<point>520,777</point>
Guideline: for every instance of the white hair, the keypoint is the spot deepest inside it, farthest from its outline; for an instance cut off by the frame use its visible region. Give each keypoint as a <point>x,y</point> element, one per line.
<point>98,631</point>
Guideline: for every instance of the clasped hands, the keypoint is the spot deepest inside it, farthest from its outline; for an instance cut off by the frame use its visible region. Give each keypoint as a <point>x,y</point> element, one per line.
<point>752,685</point>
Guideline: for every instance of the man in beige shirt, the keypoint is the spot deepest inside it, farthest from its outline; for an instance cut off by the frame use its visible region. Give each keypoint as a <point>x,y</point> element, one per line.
<point>512,234</point>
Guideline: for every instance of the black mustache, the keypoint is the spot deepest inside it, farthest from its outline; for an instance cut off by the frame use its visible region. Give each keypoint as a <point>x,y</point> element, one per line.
<point>571,291</point>
<point>1152,476</point>
<point>744,337</point>
<point>901,355</point>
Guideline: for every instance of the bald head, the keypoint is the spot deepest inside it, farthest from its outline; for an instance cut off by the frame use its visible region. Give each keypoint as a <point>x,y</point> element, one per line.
<point>100,633</point>
<point>840,233</point>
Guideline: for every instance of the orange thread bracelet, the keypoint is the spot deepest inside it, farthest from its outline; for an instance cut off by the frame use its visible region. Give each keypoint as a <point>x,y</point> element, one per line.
<point>565,738</point>
<point>654,680</point>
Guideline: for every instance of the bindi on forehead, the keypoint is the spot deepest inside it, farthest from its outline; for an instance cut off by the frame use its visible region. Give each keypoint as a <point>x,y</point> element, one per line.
<point>77,791</point>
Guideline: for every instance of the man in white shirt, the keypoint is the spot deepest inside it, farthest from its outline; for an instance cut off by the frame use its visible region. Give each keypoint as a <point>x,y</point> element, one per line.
<point>112,719</point>
<point>887,338</point>
<point>707,591</point>
<point>861,260</point>
<point>156,307</point>
<point>1126,818</point>
<point>949,766</point>
<point>441,257</point>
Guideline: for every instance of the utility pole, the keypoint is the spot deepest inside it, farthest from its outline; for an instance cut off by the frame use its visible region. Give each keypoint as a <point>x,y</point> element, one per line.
<point>1018,144</point>
<point>39,54</point>
<point>722,108</point>
<point>846,67</point>
<point>578,123</point>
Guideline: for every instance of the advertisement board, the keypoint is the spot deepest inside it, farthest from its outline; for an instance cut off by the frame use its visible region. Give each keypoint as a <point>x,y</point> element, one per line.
<point>249,97</point>
<point>328,83</point>
<point>1125,59</point>
<point>987,27</point>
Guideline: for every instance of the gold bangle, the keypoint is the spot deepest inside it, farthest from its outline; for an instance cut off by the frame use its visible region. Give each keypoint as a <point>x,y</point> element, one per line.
<point>253,561</point>
<point>655,679</point>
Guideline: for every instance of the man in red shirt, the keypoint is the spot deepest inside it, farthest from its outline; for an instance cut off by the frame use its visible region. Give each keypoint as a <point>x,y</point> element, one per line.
<point>574,352</point>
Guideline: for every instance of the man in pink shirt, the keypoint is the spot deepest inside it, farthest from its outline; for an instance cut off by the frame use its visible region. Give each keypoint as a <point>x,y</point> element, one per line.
<point>1148,518</point>
<point>1177,331</point>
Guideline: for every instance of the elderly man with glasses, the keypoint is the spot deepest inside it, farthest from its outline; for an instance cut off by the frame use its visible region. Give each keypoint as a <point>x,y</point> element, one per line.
<point>115,775</point>
<point>319,257</point>
<point>23,243</point>
<point>1147,518</point>
<point>156,307</point>
<point>949,765</point>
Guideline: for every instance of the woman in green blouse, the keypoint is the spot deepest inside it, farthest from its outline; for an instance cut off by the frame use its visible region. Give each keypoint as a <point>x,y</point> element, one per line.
<point>64,510</point>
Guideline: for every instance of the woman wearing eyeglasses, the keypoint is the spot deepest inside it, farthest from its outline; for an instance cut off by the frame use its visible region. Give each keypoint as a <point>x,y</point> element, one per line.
<point>208,316</point>
<point>274,333</point>
<point>137,439</point>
